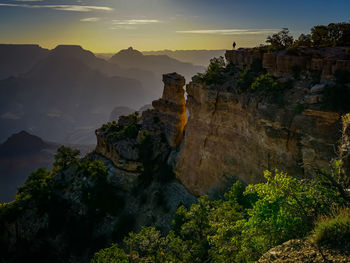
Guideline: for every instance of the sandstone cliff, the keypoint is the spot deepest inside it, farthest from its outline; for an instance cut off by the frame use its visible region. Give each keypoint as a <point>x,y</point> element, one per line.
<point>237,134</point>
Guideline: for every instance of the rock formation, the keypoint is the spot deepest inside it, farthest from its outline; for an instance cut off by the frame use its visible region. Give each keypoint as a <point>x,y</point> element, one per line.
<point>325,60</point>
<point>172,109</point>
<point>235,134</point>
<point>298,251</point>
<point>166,120</point>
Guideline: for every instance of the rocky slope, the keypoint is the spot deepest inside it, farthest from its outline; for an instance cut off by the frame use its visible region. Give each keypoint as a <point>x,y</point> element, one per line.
<point>299,251</point>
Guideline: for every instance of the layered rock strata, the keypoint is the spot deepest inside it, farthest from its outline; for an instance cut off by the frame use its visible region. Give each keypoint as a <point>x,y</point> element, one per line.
<point>324,60</point>
<point>238,134</point>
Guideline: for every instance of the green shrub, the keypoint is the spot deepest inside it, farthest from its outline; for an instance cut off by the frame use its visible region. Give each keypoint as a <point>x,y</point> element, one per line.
<point>245,80</point>
<point>264,82</point>
<point>214,73</point>
<point>281,40</point>
<point>333,231</point>
<point>64,157</point>
<point>112,254</point>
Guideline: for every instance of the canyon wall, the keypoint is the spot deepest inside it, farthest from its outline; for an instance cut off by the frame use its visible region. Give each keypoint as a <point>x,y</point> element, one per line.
<point>324,60</point>
<point>234,134</point>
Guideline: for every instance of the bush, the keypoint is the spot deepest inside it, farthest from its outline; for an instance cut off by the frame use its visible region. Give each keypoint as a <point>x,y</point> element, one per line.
<point>266,83</point>
<point>112,254</point>
<point>281,40</point>
<point>333,231</point>
<point>214,73</point>
<point>64,157</point>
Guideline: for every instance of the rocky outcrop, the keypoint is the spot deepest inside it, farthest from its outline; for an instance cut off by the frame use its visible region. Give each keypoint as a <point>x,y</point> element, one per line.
<point>298,251</point>
<point>324,60</point>
<point>166,119</point>
<point>234,134</point>
<point>171,108</point>
<point>242,57</point>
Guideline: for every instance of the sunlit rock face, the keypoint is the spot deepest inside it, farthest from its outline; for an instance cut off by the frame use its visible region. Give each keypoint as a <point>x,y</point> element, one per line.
<point>172,109</point>
<point>325,60</point>
<point>165,124</point>
<point>235,134</point>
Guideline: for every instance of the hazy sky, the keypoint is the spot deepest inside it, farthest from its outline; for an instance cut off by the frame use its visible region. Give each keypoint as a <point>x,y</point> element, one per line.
<point>111,25</point>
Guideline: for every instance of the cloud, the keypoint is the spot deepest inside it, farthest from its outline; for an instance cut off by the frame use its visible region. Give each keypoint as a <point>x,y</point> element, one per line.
<point>74,8</point>
<point>135,22</point>
<point>28,0</point>
<point>126,27</point>
<point>90,19</point>
<point>229,31</point>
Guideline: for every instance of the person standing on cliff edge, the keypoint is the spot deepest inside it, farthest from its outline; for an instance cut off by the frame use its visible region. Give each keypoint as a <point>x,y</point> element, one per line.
<point>234,45</point>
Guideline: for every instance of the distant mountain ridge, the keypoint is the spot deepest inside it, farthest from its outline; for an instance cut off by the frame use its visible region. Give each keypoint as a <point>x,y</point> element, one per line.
<point>64,94</point>
<point>21,154</point>
<point>197,57</point>
<point>18,59</point>
<point>160,64</point>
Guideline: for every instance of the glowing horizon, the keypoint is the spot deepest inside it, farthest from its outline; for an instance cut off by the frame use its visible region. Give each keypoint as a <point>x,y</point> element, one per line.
<point>107,26</point>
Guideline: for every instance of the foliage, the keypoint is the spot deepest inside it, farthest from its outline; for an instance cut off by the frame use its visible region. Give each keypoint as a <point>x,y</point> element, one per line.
<point>145,246</point>
<point>115,132</point>
<point>99,194</point>
<point>266,85</point>
<point>333,231</point>
<point>335,34</point>
<point>264,82</point>
<point>247,77</point>
<point>64,157</point>
<point>214,73</point>
<point>304,40</point>
<point>244,224</point>
<point>281,40</point>
<point>110,255</point>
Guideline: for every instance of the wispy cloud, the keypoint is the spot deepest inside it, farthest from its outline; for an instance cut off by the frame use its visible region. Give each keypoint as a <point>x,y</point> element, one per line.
<point>74,8</point>
<point>126,27</point>
<point>229,31</point>
<point>135,22</point>
<point>90,19</point>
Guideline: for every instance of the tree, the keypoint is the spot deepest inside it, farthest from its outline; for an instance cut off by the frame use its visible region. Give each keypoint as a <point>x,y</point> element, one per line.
<point>281,40</point>
<point>304,40</point>
<point>64,157</point>
<point>112,254</point>
<point>214,73</point>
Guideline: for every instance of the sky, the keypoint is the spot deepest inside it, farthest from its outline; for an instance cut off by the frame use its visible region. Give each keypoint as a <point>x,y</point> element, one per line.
<point>106,26</point>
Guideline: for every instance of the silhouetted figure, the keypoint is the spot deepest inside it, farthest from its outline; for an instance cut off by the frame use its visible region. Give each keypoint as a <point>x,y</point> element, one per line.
<point>234,45</point>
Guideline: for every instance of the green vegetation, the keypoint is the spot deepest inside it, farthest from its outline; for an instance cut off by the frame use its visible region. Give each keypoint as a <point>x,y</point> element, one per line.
<point>335,34</point>
<point>247,77</point>
<point>214,73</point>
<point>267,86</point>
<point>64,157</point>
<point>239,228</point>
<point>281,40</point>
<point>110,255</point>
<point>333,231</point>
<point>115,132</point>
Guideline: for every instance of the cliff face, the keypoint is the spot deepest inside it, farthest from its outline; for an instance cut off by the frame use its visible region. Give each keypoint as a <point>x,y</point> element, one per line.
<point>235,134</point>
<point>326,61</point>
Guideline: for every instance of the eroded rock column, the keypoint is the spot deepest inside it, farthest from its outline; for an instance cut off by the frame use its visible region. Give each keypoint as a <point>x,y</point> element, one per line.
<point>172,109</point>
